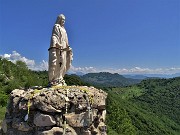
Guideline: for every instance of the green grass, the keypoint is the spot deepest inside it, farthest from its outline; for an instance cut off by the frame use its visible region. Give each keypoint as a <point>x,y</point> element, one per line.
<point>2,113</point>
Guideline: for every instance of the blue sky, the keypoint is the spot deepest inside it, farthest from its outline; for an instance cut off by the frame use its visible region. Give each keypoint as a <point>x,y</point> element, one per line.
<point>124,36</point>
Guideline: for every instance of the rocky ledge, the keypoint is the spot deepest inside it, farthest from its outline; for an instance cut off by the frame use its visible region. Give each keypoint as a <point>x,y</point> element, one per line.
<point>65,110</point>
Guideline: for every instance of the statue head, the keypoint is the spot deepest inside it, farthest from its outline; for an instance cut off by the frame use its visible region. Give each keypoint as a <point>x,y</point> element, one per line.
<point>60,20</point>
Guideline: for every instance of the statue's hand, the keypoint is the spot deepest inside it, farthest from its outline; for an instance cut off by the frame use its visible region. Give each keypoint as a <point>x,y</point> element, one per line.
<point>58,45</point>
<point>70,49</point>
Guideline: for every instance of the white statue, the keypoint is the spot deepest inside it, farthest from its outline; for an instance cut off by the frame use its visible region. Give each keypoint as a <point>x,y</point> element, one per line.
<point>60,53</point>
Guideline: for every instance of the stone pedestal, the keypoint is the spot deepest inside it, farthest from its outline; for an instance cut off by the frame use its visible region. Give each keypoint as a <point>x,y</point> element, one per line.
<point>58,110</point>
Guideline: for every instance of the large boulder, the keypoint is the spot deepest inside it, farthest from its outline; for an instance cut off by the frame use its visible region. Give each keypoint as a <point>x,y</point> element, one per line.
<point>68,110</point>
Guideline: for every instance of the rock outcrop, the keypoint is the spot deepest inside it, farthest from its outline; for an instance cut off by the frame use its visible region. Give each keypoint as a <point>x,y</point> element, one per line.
<point>66,110</point>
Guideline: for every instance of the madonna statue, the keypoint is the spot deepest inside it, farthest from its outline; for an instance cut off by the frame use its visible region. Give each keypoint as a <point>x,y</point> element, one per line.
<point>60,53</point>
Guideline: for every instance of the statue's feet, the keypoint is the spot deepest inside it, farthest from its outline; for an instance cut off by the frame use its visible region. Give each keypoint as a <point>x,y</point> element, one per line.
<point>58,82</point>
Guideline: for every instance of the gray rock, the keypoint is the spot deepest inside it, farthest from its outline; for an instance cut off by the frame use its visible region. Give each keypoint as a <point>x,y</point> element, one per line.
<point>42,120</point>
<point>78,120</point>
<point>75,110</point>
<point>4,126</point>
<point>53,131</point>
<point>50,102</point>
<point>16,122</point>
<point>23,126</point>
<point>87,132</point>
<point>17,93</point>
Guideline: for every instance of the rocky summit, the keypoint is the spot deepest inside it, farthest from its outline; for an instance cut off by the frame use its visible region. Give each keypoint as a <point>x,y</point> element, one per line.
<point>58,110</point>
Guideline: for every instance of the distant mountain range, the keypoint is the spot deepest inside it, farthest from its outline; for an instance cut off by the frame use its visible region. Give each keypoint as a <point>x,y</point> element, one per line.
<point>106,79</point>
<point>141,77</point>
<point>144,76</point>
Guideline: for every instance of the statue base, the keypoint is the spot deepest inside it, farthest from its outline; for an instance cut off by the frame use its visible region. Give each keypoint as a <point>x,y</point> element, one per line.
<point>62,110</point>
<point>58,82</point>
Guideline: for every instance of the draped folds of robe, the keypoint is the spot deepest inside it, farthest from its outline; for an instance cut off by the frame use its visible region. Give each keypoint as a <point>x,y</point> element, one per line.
<point>59,59</point>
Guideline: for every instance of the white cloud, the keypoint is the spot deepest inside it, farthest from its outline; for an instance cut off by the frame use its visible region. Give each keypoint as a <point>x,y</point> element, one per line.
<point>15,56</point>
<point>83,69</point>
<point>43,65</point>
<point>7,56</point>
<point>135,70</point>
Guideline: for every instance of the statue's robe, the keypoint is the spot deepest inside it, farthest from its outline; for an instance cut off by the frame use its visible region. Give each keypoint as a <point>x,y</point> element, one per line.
<point>60,55</point>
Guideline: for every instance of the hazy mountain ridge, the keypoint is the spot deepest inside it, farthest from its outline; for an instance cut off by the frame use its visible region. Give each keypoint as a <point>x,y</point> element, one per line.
<point>106,79</point>
<point>141,77</point>
<point>145,76</point>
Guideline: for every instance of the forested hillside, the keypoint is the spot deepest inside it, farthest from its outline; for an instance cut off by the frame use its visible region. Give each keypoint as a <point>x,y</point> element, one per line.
<point>151,107</point>
<point>106,79</point>
<point>16,76</point>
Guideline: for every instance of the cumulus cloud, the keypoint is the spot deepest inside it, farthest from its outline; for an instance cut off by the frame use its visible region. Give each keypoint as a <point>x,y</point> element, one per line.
<point>15,56</point>
<point>83,70</point>
<point>43,65</point>
<point>134,70</point>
